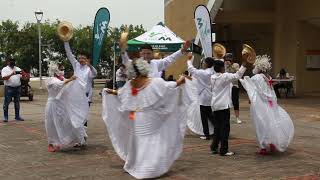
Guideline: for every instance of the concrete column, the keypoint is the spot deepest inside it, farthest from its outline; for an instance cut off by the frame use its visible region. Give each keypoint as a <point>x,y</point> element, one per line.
<point>286,41</point>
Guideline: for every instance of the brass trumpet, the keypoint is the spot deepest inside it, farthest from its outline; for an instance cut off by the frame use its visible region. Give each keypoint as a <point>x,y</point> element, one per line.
<point>65,31</point>
<point>248,54</point>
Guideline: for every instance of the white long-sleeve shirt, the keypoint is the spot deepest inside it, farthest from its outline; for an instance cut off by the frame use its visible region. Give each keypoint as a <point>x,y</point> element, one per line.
<point>203,77</point>
<point>232,69</point>
<point>156,65</point>
<point>221,85</point>
<point>83,72</point>
<point>121,75</point>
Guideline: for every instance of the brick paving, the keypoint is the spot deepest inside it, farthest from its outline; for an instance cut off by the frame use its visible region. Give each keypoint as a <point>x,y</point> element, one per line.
<point>23,149</point>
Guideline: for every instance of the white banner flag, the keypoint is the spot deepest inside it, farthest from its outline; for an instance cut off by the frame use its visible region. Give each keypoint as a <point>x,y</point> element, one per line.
<point>203,24</point>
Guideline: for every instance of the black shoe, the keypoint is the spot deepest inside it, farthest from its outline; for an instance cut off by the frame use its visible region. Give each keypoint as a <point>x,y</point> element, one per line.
<point>213,152</point>
<point>5,120</point>
<point>19,119</point>
<point>77,145</point>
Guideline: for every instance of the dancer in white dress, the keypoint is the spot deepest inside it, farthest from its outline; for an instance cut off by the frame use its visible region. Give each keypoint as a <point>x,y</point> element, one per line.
<point>66,110</point>
<point>273,125</point>
<point>144,121</point>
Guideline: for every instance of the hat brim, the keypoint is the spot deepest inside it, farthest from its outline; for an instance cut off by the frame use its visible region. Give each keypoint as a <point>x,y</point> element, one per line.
<point>65,31</point>
<point>123,41</point>
<point>250,52</point>
<point>218,50</point>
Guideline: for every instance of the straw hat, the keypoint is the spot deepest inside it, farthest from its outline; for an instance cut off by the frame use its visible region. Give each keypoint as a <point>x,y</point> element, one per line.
<point>65,30</point>
<point>157,55</point>
<point>218,50</point>
<point>123,41</point>
<point>248,54</point>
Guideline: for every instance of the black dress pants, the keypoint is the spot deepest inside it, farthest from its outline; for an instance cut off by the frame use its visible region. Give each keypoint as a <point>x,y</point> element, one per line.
<point>222,130</point>
<point>206,115</point>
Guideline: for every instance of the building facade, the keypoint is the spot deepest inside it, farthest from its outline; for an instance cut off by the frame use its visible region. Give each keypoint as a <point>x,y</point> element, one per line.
<point>286,30</point>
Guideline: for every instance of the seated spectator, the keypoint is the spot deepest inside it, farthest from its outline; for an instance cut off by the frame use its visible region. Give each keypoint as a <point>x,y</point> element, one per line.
<point>282,85</point>
<point>283,74</point>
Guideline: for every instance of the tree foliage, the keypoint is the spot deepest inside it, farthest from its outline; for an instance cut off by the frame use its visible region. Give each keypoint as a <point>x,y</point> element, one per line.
<point>21,43</point>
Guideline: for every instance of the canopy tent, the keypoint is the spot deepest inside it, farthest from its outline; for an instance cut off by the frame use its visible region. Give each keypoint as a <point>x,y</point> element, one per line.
<point>161,38</point>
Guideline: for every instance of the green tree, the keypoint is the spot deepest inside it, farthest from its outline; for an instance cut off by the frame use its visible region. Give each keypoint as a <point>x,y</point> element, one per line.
<point>23,44</point>
<point>9,35</point>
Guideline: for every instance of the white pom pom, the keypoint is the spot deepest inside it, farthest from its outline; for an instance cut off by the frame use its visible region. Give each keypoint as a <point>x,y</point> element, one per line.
<point>263,63</point>
<point>142,65</point>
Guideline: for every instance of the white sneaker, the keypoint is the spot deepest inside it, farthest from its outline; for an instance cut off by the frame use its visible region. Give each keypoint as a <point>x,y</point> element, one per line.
<point>228,154</point>
<point>239,121</point>
<point>204,138</point>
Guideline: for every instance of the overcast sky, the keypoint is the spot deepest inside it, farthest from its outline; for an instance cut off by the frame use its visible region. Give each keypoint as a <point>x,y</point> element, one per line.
<point>136,12</point>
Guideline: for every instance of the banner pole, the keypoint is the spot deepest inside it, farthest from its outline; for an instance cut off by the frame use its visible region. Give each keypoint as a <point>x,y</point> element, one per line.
<point>114,67</point>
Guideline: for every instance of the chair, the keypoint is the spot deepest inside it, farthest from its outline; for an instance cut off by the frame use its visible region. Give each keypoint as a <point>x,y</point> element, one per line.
<point>287,87</point>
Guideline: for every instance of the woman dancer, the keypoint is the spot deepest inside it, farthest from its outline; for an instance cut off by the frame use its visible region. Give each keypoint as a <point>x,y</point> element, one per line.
<point>273,125</point>
<point>145,121</point>
<point>65,111</point>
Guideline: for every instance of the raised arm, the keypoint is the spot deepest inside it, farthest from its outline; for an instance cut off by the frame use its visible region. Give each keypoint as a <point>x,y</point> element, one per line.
<point>229,77</point>
<point>165,62</point>
<point>94,72</point>
<point>70,56</point>
<point>125,58</point>
<point>192,70</point>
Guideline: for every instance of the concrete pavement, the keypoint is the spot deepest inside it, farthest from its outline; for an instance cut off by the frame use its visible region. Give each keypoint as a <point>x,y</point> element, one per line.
<point>24,155</point>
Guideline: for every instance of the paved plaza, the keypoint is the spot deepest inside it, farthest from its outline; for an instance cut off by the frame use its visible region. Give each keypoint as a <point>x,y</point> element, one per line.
<point>24,155</point>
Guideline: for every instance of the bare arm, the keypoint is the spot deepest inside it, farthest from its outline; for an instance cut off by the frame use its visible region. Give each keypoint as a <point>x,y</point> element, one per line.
<point>111,91</point>
<point>181,80</point>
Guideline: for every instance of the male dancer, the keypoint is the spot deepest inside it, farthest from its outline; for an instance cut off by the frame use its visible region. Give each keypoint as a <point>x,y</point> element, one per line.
<point>82,69</point>
<point>221,84</point>
<point>156,65</point>
<point>203,86</point>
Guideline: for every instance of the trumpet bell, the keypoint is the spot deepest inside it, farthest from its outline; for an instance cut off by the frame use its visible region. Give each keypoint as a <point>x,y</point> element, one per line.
<point>218,50</point>
<point>248,54</point>
<point>65,31</point>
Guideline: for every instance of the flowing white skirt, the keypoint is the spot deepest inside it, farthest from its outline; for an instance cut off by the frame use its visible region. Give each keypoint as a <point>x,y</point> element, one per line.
<point>272,123</point>
<point>65,116</point>
<point>151,142</point>
<point>194,117</point>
